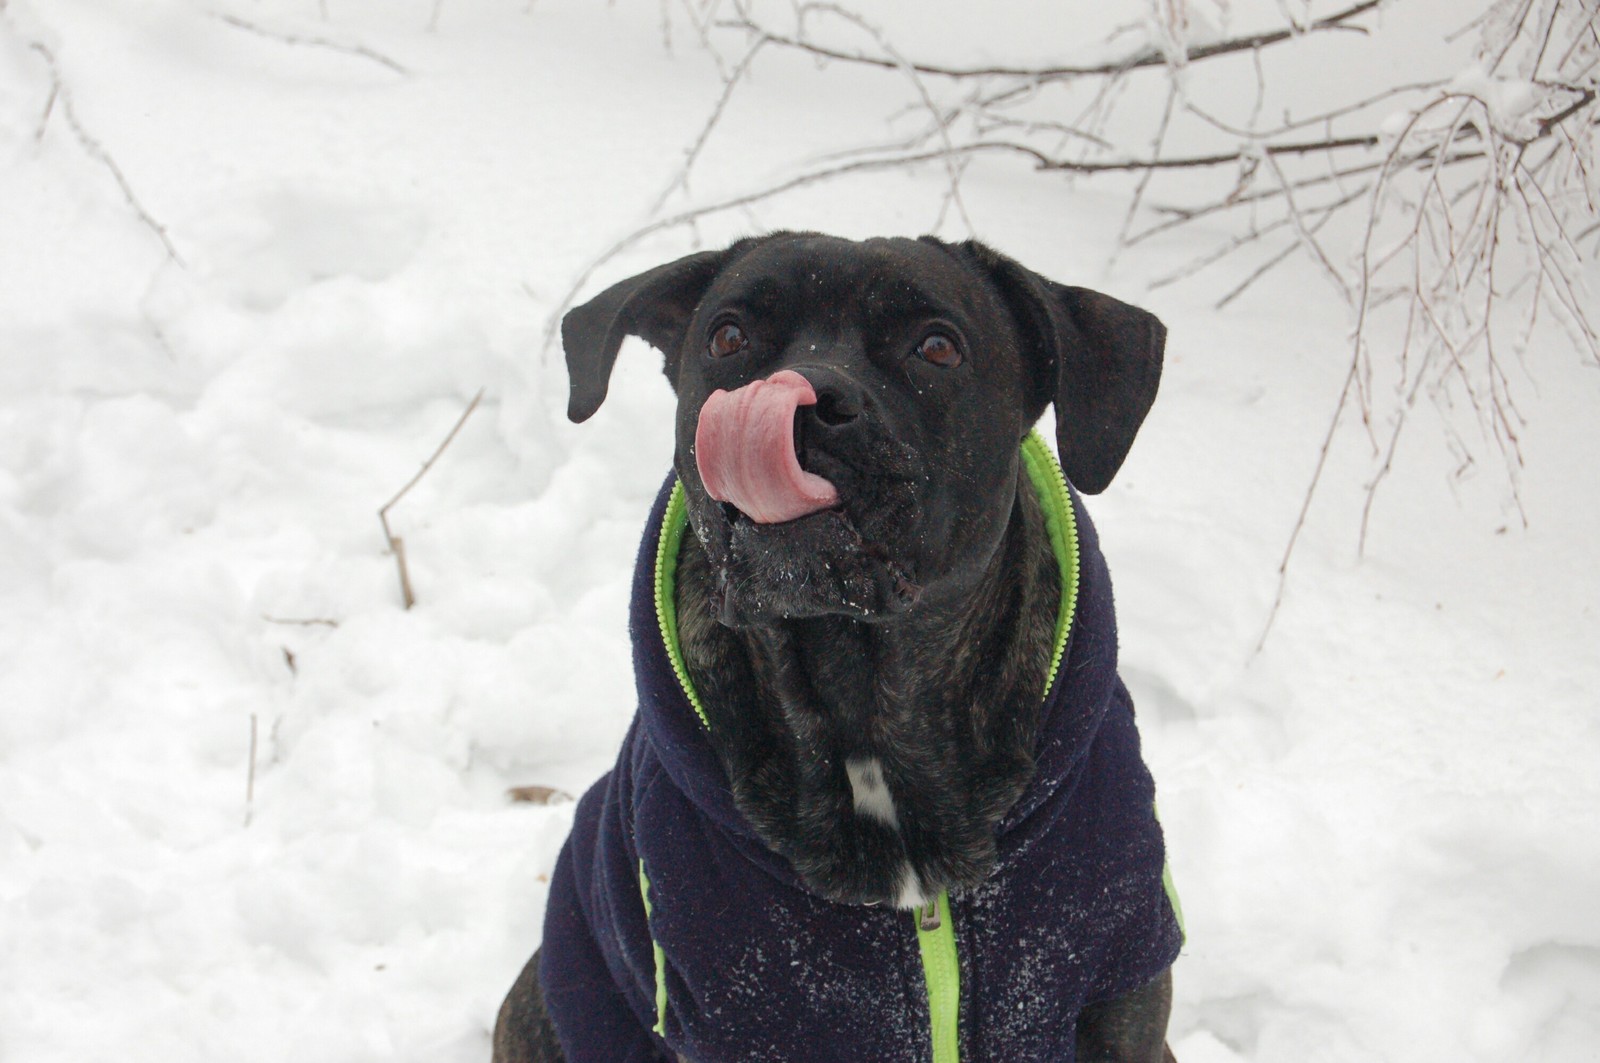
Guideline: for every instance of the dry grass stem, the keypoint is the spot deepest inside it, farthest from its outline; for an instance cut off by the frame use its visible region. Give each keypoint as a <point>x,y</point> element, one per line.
<point>538,795</point>
<point>397,545</point>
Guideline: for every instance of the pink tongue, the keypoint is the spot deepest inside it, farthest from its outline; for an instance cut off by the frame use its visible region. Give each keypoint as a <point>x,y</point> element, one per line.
<point>744,448</point>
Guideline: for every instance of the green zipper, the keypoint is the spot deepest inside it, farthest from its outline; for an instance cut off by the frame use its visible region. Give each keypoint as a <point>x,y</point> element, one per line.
<point>1043,472</point>
<point>1061,525</point>
<point>673,523</point>
<point>936,937</point>
<point>660,958</point>
<point>941,968</point>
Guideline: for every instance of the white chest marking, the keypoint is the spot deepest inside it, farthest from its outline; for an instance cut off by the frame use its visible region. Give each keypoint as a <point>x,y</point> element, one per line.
<point>911,895</point>
<point>871,792</point>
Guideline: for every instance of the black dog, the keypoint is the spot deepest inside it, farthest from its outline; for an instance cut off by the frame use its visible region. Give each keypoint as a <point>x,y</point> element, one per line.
<point>877,594</point>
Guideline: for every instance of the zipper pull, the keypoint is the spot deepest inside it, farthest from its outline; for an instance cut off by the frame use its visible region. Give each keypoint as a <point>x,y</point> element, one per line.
<point>929,919</point>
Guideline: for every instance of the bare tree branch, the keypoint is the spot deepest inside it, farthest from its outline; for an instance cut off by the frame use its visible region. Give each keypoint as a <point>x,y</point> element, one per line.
<point>1143,59</point>
<point>1444,191</point>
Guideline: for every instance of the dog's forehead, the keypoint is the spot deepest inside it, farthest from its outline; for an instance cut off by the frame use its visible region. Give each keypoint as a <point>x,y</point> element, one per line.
<point>794,272</point>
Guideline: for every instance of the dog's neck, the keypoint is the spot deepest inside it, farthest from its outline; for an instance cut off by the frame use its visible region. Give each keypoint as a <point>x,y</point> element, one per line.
<point>878,758</point>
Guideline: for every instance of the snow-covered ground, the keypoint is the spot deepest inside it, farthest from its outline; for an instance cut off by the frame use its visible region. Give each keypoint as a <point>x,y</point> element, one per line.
<point>253,809</point>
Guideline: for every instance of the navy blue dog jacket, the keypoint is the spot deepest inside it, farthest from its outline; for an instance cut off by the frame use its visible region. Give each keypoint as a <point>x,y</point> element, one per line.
<point>674,932</point>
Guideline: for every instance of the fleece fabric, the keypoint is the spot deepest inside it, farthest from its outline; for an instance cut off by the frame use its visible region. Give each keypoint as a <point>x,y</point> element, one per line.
<point>737,961</point>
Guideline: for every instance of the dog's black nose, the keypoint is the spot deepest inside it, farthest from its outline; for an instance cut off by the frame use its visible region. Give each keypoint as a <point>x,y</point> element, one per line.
<point>835,409</point>
<point>840,399</point>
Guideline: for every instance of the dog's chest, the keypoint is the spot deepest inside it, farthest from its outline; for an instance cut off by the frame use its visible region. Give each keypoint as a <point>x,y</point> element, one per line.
<point>754,965</point>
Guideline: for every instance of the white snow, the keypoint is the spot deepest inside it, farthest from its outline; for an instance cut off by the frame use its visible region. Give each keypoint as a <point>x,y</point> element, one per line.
<point>1511,102</point>
<point>1385,825</point>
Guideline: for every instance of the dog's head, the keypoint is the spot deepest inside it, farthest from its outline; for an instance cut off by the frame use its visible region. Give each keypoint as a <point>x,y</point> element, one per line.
<point>849,413</point>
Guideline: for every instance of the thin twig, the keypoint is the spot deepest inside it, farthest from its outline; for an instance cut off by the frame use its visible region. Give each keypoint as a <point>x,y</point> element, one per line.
<point>1156,144</point>
<point>1270,264</point>
<point>1305,234</point>
<point>692,215</point>
<point>939,123</point>
<point>359,51</point>
<point>1320,118</point>
<point>1305,500</point>
<point>891,162</point>
<point>1179,216</point>
<point>396,544</point>
<point>680,179</point>
<point>1252,236</point>
<point>250,777</point>
<point>61,94</point>
<point>49,107</point>
<point>1384,469</point>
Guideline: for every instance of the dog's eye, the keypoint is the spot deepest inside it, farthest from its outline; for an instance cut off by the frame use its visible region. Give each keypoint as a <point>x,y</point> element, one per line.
<point>729,339</point>
<point>940,350</point>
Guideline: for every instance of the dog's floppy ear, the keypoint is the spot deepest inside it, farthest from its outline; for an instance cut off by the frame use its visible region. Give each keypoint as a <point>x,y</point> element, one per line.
<point>655,306</point>
<point>1097,358</point>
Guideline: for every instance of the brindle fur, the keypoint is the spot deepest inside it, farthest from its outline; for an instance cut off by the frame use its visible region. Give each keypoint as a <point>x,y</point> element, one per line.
<point>946,700</point>
<point>913,624</point>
